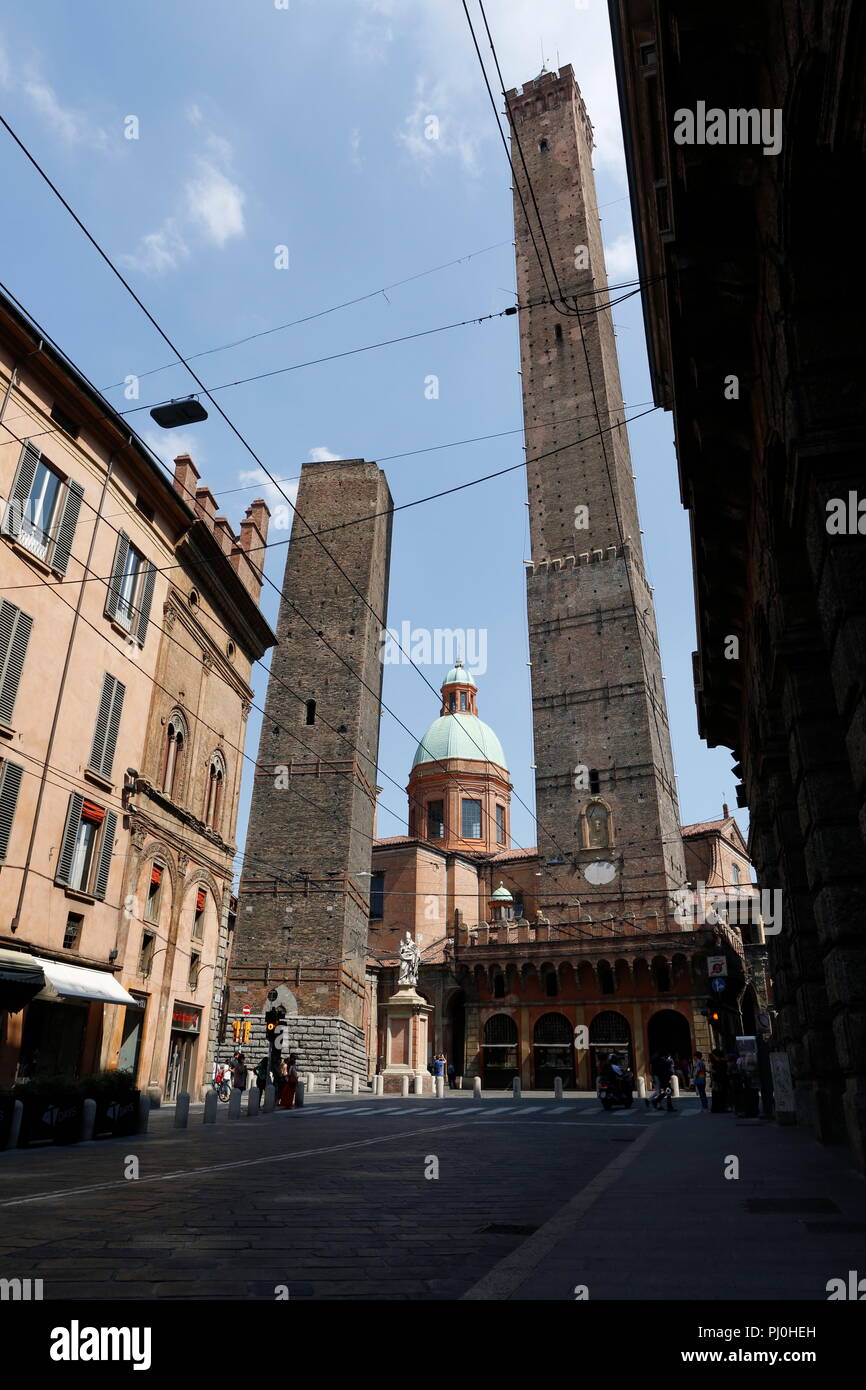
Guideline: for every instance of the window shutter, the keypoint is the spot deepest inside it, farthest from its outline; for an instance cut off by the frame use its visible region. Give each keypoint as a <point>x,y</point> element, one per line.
<point>15,629</point>
<point>107,726</point>
<point>105,852</point>
<point>146,587</point>
<point>66,529</point>
<point>67,846</point>
<point>19,493</point>
<point>10,783</point>
<point>121,556</point>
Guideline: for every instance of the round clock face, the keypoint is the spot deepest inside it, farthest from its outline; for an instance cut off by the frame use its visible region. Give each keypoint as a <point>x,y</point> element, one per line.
<point>601,871</point>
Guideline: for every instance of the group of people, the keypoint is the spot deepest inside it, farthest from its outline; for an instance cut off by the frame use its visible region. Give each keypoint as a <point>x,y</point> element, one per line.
<point>284,1075</point>
<point>728,1077</point>
<point>440,1066</point>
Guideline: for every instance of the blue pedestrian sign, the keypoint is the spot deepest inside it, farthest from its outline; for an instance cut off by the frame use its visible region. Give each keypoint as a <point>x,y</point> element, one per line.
<point>718,985</point>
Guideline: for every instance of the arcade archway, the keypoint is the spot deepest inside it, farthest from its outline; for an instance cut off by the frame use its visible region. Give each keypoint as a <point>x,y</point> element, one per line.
<point>552,1052</point>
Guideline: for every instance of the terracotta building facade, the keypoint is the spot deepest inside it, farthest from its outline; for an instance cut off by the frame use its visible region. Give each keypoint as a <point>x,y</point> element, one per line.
<point>129,622</point>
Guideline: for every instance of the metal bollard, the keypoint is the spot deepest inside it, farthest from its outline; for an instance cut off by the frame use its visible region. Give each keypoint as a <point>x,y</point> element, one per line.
<point>254,1101</point>
<point>516,1088</point>
<point>299,1095</point>
<point>211,1101</point>
<point>270,1098</point>
<point>476,1088</point>
<point>143,1114</point>
<point>235,1103</point>
<point>404,1086</point>
<point>88,1120</point>
<point>355,1084</point>
<point>332,1084</point>
<point>181,1110</point>
<point>557,1088</point>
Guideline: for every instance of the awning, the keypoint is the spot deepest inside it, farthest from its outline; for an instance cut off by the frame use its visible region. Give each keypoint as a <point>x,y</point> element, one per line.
<point>21,978</point>
<point>71,982</point>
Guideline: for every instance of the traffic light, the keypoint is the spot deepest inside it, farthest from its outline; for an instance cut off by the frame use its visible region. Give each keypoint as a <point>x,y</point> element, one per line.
<point>711,1012</point>
<point>271,1020</point>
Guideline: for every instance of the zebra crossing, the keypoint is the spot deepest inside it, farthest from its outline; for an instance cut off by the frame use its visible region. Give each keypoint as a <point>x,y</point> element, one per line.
<point>467,1110</point>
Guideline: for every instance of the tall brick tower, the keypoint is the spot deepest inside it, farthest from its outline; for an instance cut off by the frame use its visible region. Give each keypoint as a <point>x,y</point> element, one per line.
<point>303,911</point>
<point>605,792</point>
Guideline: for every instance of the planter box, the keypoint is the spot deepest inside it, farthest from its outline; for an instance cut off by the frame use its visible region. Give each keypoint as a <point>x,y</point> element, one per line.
<point>46,1122</point>
<point>116,1118</point>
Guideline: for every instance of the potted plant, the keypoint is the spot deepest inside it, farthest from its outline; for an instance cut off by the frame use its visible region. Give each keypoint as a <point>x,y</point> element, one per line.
<point>53,1110</point>
<point>116,1103</point>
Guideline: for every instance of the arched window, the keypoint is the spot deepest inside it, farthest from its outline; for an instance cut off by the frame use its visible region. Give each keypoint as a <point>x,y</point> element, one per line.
<point>216,777</point>
<point>597,819</point>
<point>174,753</point>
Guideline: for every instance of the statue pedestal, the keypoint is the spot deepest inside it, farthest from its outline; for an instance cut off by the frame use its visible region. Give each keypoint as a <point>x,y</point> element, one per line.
<point>406,1015</point>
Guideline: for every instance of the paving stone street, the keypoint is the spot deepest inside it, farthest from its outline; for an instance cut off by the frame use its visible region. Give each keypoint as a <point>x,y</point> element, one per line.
<point>533,1198</point>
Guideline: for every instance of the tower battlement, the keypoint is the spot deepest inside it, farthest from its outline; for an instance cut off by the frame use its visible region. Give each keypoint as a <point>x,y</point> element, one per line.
<point>545,93</point>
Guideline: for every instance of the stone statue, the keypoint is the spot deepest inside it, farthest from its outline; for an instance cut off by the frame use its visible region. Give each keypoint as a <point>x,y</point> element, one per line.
<point>410,962</point>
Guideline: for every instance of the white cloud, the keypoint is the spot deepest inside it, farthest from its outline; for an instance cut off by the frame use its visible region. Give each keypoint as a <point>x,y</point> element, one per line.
<point>210,208</point>
<point>433,130</point>
<point>73,127</point>
<point>621,259</point>
<point>5,69</point>
<point>215,204</point>
<point>320,454</point>
<point>274,495</point>
<point>158,251</point>
<point>355,148</point>
<point>167,444</point>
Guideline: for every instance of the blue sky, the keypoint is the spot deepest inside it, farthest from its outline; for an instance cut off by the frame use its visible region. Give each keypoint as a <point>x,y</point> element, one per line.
<point>304,127</point>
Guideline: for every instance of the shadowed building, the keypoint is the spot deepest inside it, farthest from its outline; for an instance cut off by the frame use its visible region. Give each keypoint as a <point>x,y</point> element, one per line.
<point>736,152</point>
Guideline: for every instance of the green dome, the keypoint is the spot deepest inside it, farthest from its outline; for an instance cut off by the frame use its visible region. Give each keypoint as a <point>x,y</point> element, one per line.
<point>458,675</point>
<point>501,895</point>
<point>459,736</point>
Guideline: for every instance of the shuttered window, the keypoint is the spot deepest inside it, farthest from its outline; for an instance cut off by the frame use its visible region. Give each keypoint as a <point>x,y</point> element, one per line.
<point>15,629</point>
<point>10,785</point>
<point>130,589</point>
<point>85,851</point>
<point>43,509</point>
<point>107,726</point>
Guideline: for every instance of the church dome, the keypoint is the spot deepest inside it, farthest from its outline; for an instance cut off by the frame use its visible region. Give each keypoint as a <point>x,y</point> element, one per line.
<point>459,736</point>
<point>458,675</point>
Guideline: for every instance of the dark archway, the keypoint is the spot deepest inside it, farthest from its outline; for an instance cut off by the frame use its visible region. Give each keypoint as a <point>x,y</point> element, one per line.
<point>455,1037</point>
<point>499,1061</point>
<point>669,1032</point>
<point>552,1052</point>
<point>609,1032</point>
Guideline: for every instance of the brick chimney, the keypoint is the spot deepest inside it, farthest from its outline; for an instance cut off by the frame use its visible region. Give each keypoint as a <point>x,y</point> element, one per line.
<point>224,533</point>
<point>248,556</point>
<point>206,505</point>
<point>186,477</point>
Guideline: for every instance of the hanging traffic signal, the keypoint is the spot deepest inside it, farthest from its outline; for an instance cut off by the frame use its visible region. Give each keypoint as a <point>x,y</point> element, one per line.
<point>711,1012</point>
<point>271,1021</point>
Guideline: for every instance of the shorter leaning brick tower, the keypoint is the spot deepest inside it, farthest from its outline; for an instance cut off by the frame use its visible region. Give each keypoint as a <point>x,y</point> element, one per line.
<point>303,910</point>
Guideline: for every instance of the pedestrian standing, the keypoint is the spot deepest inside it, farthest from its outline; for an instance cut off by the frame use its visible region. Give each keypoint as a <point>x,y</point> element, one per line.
<point>240,1073</point>
<point>452,1076</point>
<point>720,1083</point>
<point>699,1078</point>
<point>262,1076</point>
<point>438,1066</point>
<point>289,1077</point>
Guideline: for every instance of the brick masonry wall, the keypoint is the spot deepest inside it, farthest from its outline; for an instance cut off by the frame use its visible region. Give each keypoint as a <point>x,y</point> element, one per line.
<point>303,905</point>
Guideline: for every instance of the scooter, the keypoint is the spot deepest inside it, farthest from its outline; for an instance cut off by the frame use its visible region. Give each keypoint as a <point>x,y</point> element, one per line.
<point>616,1090</point>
